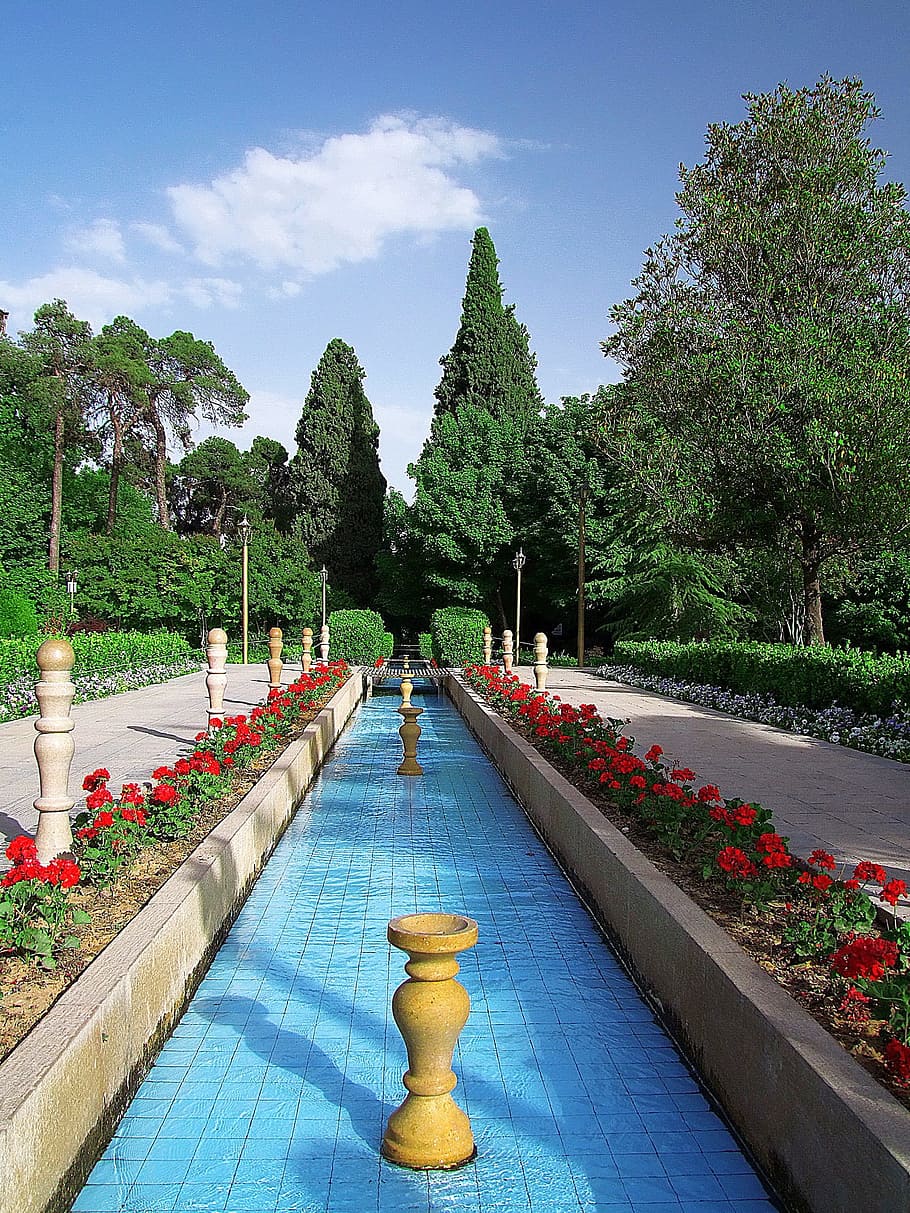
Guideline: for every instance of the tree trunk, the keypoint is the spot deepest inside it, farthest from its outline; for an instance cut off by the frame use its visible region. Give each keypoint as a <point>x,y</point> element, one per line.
<point>218,521</point>
<point>53,550</point>
<point>160,468</point>
<point>500,611</point>
<point>116,463</point>
<point>810,560</point>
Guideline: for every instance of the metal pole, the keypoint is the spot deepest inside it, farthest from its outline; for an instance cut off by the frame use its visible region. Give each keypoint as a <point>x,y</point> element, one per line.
<point>518,618</point>
<point>581,577</point>
<point>324,574</point>
<point>245,600</point>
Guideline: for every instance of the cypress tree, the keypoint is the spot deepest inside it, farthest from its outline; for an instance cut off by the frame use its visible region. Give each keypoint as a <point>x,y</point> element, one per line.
<point>470,475</point>
<point>339,487</point>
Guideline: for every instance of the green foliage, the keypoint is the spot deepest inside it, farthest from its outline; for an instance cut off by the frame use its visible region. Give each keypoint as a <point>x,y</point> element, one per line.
<point>471,473</point>
<point>388,645</point>
<point>357,637</point>
<point>425,640</point>
<point>17,615</point>
<point>768,339</point>
<point>457,635</point>
<point>335,473</point>
<point>872,608</point>
<point>210,481</point>
<point>813,677</point>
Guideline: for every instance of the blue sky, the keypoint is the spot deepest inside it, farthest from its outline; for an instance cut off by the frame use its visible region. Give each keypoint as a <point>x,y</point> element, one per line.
<point>273,175</point>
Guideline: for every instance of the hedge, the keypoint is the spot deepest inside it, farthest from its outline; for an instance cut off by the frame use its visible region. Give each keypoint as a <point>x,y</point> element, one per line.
<point>458,635</point>
<point>358,637</point>
<point>816,676</point>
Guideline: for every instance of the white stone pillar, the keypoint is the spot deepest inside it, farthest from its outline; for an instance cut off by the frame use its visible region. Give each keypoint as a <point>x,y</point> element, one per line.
<point>216,679</point>
<point>306,660</point>
<point>275,664</point>
<point>540,661</point>
<point>54,748</point>
<point>324,643</point>
<point>507,651</point>
<point>488,646</point>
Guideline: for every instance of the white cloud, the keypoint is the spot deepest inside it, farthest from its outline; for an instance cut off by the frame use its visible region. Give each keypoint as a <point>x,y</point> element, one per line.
<point>270,413</point>
<point>338,203</point>
<point>158,235</point>
<point>103,237</point>
<point>98,299</point>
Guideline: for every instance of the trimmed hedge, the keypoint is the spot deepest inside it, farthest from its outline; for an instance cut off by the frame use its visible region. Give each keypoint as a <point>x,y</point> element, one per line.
<point>358,637</point>
<point>816,676</point>
<point>457,634</point>
<point>425,640</point>
<point>18,616</point>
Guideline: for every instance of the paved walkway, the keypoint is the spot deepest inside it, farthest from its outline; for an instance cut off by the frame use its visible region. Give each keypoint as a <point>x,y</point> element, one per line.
<point>856,805</point>
<point>129,734</point>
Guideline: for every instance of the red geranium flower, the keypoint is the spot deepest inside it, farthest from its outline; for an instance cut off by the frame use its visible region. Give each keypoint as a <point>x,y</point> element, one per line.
<point>21,848</point>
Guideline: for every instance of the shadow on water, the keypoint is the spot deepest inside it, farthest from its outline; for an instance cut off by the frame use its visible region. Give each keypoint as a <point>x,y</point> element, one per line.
<point>313,1066</point>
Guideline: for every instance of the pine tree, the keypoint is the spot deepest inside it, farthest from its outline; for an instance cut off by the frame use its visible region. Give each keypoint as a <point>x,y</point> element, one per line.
<point>471,473</point>
<point>339,487</point>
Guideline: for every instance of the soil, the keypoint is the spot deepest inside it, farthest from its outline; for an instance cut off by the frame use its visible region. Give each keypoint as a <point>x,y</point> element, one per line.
<point>28,992</point>
<point>757,932</point>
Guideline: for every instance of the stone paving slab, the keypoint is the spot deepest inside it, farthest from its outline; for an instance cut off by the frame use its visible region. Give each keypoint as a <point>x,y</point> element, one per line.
<point>130,734</point>
<point>822,795</point>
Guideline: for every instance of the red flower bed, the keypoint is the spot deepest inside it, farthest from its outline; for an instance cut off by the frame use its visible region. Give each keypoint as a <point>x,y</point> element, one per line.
<point>733,842</point>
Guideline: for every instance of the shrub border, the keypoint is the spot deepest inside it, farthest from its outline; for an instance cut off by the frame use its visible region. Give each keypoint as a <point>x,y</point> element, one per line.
<point>65,1086</point>
<point>805,1108</point>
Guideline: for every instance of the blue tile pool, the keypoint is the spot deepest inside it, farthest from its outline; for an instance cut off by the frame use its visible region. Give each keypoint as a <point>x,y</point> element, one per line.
<point>272,1093</point>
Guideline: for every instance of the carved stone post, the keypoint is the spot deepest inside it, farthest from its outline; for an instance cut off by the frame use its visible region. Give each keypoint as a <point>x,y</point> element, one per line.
<point>54,748</point>
<point>216,679</point>
<point>540,661</point>
<point>410,735</point>
<point>488,646</point>
<point>275,664</point>
<point>429,1129</point>
<point>507,651</point>
<point>407,689</point>
<point>306,660</point>
<point>324,643</point>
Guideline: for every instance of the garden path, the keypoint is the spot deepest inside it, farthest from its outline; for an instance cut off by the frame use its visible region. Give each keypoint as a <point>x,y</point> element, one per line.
<point>853,804</point>
<point>130,734</point>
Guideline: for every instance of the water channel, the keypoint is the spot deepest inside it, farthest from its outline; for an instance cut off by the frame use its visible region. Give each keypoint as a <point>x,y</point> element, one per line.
<point>272,1093</point>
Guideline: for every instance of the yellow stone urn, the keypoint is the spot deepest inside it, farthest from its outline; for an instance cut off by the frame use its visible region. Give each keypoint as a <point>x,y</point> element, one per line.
<point>429,1130</point>
<point>410,734</point>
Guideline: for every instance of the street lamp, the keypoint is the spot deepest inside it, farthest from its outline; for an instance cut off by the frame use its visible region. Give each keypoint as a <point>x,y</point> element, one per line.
<point>324,574</point>
<point>582,497</point>
<point>243,530</point>
<point>518,564</point>
<point>72,584</point>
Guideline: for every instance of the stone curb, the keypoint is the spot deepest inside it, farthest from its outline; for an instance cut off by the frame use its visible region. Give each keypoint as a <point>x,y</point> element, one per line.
<point>64,1088</point>
<point>829,1137</point>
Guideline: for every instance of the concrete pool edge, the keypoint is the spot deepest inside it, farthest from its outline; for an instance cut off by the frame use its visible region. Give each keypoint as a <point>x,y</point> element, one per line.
<point>806,1109</point>
<point>64,1087</point>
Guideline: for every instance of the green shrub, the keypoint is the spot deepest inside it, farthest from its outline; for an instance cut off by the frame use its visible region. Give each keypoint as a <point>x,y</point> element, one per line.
<point>457,634</point>
<point>426,644</point>
<point>17,615</point>
<point>357,637</point>
<point>814,677</point>
<point>388,645</point>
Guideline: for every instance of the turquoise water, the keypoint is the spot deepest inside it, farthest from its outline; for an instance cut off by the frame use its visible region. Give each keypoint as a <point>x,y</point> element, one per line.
<point>274,1089</point>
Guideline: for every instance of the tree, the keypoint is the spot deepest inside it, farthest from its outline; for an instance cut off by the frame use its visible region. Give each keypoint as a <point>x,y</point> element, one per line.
<point>471,473</point>
<point>187,377</point>
<point>122,378</point>
<point>61,344</point>
<point>209,481</point>
<point>267,464</point>
<point>26,461</point>
<point>335,473</point>
<point>768,338</point>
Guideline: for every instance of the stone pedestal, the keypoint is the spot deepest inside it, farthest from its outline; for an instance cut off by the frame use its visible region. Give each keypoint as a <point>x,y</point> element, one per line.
<point>488,646</point>
<point>306,660</point>
<point>54,748</point>
<point>410,734</point>
<point>429,1130</point>
<point>216,678</point>
<point>507,651</point>
<point>275,664</point>
<point>540,661</point>
<point>324,643</point>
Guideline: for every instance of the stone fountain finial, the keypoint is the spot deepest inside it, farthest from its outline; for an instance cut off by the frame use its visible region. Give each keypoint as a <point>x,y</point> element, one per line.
<point>54,748</point>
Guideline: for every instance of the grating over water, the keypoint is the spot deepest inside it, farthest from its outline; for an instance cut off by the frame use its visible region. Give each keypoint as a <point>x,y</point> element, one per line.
<point>273,1091</point>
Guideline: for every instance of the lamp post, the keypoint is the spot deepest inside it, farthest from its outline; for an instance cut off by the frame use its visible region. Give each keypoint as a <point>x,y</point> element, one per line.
<point>72,584</point>
<point>581,571</point>
<point>243,530</point>
<point>324,574</point>
<point>518,564</point>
